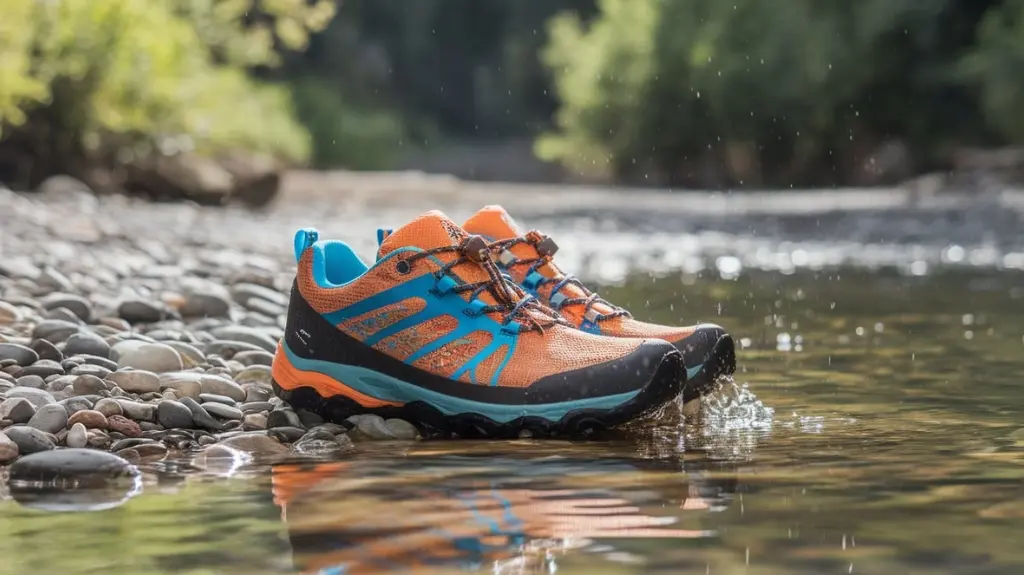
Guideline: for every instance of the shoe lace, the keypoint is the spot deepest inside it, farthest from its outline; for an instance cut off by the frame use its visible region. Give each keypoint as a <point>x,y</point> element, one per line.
<point>512,302</point>
<point>545,247</point>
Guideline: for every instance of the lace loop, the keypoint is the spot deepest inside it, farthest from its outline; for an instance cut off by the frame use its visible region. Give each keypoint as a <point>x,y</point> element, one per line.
<point>510,300</point>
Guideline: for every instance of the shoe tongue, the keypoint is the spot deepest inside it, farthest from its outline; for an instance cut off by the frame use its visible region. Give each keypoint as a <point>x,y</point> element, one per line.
<point>431,230</point>
<point>494,223</point>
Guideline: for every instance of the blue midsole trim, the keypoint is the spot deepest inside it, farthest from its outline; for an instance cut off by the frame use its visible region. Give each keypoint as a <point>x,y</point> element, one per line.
<point>692,372</point>
<point>387,388</point>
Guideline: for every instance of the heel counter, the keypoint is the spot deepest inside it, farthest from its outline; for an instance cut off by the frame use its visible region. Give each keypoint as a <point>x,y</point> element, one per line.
<point>304,326</point>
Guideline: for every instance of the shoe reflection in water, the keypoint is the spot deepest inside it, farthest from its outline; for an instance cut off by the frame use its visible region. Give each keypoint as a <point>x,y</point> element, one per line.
<point>346,521</point>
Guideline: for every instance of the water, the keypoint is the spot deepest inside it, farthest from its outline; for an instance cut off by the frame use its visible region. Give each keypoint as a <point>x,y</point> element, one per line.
<point>874,426</point>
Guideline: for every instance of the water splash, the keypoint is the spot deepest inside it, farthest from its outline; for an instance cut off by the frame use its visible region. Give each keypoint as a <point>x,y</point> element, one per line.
<point>730,422</point>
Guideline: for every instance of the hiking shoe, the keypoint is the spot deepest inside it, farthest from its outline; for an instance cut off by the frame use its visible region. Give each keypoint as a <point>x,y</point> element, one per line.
<point>434,333</point>
<point>708,351</point>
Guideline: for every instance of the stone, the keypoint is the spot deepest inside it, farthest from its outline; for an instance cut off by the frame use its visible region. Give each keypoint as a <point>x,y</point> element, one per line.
<point>401,429</point>
<point>151,451</point>
<point>283,418</point>
<point>93,370</point>
<point>17,409</point>
<point>62,313</point>
<point>251,406</point>
<point>108,407</point>
<point>221,386</point>
<point>130,443</point>
<point>46,350</point>
<point>255,443</point>
<point>308,418</point>
<point>78,305</point>
<point>88,385</point>
<point>173,415</point>
<point>50,418</point>
<point>212,397</point>
<point>86,342</point>
<point>200,416</point>
<point>124,426</point>
<point>205,299</point>
<point>136,380</point>
<point>190,354</point>
<point>21,354</point>
<point>29,439</point>
<point>371,427</point>
<point>155,357</point>
<point>70,464</point>
<point>37,397</point>
<point>33,381</point>
<point>243,334</point>
<point>78,436</point>
<point>254,421</point>
<point>184,383</point>
<point>244,293</point>
<point>137,411</point>
<point>255,374</point>
<point>9,314</point>
<point>75,404</point>
<point>88,418</point>
<point>44,368</point>
<point>222,410</point>
<point>248,358</point>
<point>257,392</point>
<point>55,330</point>
<point>97,361</point>
<point>140,311</point>
<point>8,449</point>
<point>228,349</point>
<point>287,433</point>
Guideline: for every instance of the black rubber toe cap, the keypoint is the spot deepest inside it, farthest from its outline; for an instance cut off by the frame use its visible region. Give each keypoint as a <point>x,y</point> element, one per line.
<point>629,373</point>
<point>707,341</point>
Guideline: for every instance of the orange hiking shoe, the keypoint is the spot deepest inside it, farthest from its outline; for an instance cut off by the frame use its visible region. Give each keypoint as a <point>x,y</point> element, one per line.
<point>434,333</point>
<point>708,351</point>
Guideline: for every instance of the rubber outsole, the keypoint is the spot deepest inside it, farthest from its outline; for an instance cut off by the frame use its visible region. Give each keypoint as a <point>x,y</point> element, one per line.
<point>663,387</point>
<point>720,361</point>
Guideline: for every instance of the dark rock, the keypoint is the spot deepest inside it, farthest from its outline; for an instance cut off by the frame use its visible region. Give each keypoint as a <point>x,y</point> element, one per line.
<point>200,416</point>
<point>50,418</point>
<point>44,368</point>
<point>29,439</point>
<point>86,342</point>
<point>173,415</point>
<point>46,350</point>
<point>140,311</point>
<point>78,305</point>
<point>73,464</point>
<point>55,330</point>
<point>17,409</point>
<point>22,355</point>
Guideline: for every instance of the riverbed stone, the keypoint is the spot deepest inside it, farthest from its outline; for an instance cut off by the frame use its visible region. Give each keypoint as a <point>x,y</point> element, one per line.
<point>173,415</point>
<point>29,439</point>
<point>50,418</point>
<point>36,397</point>
<point>17,409</point>
<point>8,449</point>
<point>136,380</point>
<point>77,437</point>
<point>86,342</point>
<point>75,464</point>
<point>155,357</point>
<point>21,354</point>
<point>89,418</point>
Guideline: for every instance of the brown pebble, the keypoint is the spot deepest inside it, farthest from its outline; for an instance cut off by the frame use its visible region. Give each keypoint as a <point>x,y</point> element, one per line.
<point>91,419</point>
<point>123,425</point>
<point>151,451</point>
<point>130,455</point>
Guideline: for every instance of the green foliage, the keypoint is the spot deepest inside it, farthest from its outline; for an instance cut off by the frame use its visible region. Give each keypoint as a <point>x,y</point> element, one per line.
<point>109,73</point>
<point>804,90</point>
<point>995,66</point>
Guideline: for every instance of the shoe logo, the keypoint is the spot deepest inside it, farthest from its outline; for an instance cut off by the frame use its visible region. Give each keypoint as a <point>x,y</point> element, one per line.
<point>304,336</point>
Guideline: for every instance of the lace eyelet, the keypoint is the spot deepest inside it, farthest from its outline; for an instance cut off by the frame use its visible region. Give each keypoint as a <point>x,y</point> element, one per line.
<point>403,267</point>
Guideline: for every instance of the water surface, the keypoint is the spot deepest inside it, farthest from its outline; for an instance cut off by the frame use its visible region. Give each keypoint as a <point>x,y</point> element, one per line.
<point>874,426</point>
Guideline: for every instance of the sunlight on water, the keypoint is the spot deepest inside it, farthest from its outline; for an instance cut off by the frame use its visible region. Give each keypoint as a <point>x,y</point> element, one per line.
<point>729,422</point>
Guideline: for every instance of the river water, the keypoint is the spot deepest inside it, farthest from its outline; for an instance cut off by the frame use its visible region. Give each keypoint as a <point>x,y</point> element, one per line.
<point>874,425</point>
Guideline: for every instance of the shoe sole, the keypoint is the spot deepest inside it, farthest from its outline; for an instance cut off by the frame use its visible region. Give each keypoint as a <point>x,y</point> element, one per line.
<point>368,391</point>
<point>720,361</point>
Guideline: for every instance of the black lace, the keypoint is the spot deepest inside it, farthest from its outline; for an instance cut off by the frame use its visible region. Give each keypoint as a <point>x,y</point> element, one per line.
<point>538,241</point>
<point>512,301</point>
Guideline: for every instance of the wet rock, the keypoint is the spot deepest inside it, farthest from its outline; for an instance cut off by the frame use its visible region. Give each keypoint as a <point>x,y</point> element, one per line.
<point>256,406</point>
<point>155,357</point>
<point>401,429</point>
<point>89,419</point>
<point>370,427</point>
<point>221,386</point>
<point>37,397</point>
<point>173,415</point>
<point>283,418</point>
<point>287,434</point>
<point>137,411</point>
<point>257,392</point>
<point>22,355</point>
<point>8,449</point>
<point>255,443</point>
<point>222,410</point>
<point>190,354</point>
<point>308,418</point>
<point>124,426</point>
<point>87,342</point>
<point>44,368</point>
<point>254,421</point>
<point>254,374</point>
<point>78,436</point>
<point>73,464</point>
<point>200,416</point>
<point>29,439</point>
<point>140,311</point>
<point>17,409</point>
<point>136,381</point>
<point>151,451</point>
<point>50,418</point>
<point>130,443</point>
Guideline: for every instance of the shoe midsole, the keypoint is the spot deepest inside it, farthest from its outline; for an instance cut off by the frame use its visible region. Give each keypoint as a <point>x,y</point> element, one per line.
<point>373,389</point>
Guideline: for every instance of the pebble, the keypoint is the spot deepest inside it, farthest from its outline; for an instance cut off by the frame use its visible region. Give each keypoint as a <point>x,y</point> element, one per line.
<point>87,342</point>
<point>44,368</point>
<point>255,443</point>
<point>51,418</point>
<point>46,350</point>
<point>77,437</point>
<point>136,381</point>
<point>36,397</point>
<point>140,311</point>
<point>217,385</point>
<point>137,411</point>
<point>54,330</point>
<point>155,357</point>
<point>283,418</point>
<point>77,305</point>
<point>190,354</point>
<point>29,439</point>
<point>75,404</point>
<point>88,385</point>
<point>222,410</point>
<point>108,407</point>
<point>75,464</point>
<point>173,415</point>
<point>33,381</point>
<point>214,398</point>
<point>124,426</point>
<point>200,416</point>
<point>17,409</point>
<point>21,354</point>
<point>254,357</point>
<point>8,449</point>
<point>89,419</point>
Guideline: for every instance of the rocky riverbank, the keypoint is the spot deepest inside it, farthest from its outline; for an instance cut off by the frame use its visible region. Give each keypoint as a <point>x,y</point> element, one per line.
<point>144,345</point>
